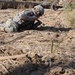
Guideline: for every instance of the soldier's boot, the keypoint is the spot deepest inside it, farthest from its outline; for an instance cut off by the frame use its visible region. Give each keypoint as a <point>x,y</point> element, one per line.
<point>2,29</point>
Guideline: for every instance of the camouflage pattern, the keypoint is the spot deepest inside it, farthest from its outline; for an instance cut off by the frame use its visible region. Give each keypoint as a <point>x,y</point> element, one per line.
<point>25,18</point>
<point>10,26</point>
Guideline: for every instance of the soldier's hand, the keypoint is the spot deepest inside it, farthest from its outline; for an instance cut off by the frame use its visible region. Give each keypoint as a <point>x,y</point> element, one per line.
<point>39,21</point>
<point>36,18</point>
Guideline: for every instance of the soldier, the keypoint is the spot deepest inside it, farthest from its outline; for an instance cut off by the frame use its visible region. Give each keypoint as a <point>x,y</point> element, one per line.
<point>26,18</point>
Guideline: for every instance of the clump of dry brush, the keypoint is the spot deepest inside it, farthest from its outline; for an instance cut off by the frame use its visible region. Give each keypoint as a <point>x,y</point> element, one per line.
<point>69,9</point>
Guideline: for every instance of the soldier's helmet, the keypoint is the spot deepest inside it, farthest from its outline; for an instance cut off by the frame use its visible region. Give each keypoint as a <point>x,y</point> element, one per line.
<point>40,9</point>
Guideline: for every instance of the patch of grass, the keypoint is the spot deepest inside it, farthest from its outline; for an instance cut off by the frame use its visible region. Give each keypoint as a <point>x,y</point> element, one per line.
<point>68,6</point>
<point>69,10</point>
<point>71,20</point>
<point>55,44</point>
<point>52,47</point>
<point>20,6</point>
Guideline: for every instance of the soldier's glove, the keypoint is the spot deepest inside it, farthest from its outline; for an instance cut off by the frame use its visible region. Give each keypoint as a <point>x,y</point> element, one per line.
<point>40,23</point>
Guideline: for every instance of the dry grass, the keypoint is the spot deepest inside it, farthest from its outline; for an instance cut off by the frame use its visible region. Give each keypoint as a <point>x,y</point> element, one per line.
<point>68,15</point>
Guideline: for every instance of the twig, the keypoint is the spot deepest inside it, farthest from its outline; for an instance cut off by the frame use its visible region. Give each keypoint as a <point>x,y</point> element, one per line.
<point>12,57</point>
<point>4,68</point>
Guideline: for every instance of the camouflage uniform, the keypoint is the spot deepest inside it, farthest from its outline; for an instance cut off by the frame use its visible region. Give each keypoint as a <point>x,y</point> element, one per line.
<point>25,18</point>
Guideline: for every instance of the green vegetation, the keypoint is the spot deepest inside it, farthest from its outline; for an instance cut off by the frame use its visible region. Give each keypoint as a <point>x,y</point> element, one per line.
<point>55,44</point>
<point>68,6</point>
<point>69,13</point>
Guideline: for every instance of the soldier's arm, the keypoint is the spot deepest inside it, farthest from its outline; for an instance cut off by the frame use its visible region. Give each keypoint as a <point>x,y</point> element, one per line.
<point>26,16</point>
<point>29,18</point>
<point>32,18</point>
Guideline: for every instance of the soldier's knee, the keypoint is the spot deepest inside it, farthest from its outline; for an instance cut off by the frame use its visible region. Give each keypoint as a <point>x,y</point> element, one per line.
<point>10,29</point>
<point>10,26</point>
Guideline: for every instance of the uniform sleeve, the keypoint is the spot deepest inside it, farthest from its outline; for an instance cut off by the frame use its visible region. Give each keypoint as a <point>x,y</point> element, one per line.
<point>28,15</point>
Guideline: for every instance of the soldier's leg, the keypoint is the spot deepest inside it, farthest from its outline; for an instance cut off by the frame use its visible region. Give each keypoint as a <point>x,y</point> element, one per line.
<point>10,26</point>
<point>27,26</point>
<point>2,27</point>
<point>32,25</point>
<point>35,25</point>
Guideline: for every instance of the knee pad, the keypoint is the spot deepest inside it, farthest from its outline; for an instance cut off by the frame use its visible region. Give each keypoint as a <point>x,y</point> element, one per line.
<point>10,29</point>
<point>11,26</point>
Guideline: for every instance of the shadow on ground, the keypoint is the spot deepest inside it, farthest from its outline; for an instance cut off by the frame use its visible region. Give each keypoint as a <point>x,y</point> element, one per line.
<point>54,29</point>
<point>48,28</point>
<point>44,68</point>
<point>44,28</point>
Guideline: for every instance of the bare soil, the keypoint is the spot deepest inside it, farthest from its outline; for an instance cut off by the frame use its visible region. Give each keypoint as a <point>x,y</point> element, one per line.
<point>49,49</point>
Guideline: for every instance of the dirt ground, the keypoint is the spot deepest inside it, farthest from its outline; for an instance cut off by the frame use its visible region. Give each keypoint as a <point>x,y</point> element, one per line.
<point>49,49</point>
